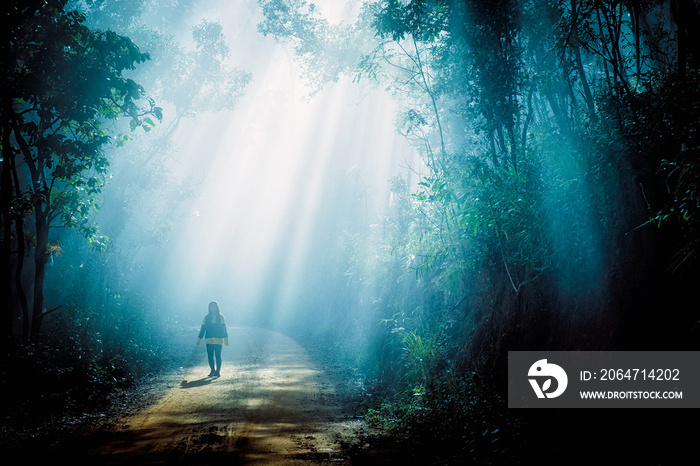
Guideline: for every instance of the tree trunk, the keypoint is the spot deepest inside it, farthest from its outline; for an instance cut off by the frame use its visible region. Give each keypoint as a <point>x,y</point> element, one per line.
<point>21,253</point>
<point>587,94</point>
<point>6,190</point>
<point>6,295</point>
<point>41,256</point>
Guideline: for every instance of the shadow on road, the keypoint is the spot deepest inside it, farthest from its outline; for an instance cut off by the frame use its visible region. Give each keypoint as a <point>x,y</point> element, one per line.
<point>197,383</point>
<point>271,405</point>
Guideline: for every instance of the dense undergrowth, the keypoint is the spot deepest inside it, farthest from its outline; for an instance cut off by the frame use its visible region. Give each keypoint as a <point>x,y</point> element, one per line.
<point>601,246</point>
<point>81,374</point>
<point>557,209</point>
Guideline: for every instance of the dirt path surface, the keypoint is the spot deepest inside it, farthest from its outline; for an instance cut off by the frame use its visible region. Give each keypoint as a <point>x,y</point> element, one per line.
<point>271,405</point>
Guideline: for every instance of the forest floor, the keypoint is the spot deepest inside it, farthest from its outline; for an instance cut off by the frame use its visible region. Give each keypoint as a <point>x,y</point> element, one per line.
<point>272,404</point>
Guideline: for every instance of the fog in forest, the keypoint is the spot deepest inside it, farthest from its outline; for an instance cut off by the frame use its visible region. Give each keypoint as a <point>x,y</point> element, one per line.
<point>410,189</point>
<point>276,183</point>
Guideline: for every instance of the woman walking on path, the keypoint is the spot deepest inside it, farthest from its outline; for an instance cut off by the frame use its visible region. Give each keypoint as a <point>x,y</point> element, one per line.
<point>215,336</point>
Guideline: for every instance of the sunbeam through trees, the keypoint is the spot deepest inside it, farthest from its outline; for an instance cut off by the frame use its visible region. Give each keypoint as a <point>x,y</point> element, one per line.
<point>408,190</point>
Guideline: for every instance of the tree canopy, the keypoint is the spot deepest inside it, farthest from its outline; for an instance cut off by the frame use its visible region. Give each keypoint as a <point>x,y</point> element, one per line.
<point>556,205</point>
<point>559,140</point>
<point>64,92</point>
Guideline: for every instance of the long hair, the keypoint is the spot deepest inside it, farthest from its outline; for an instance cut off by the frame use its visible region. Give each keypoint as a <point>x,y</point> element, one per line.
<point>218,311</point>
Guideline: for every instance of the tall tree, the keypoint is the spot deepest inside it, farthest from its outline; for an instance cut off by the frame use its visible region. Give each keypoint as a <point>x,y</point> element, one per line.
<point>63,95</point>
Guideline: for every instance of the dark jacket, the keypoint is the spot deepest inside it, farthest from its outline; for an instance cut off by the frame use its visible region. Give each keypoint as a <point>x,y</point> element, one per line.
<point>213,328</point>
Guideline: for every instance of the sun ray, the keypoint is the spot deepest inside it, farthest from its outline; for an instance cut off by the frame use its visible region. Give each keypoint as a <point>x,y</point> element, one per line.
<point>264,170</point>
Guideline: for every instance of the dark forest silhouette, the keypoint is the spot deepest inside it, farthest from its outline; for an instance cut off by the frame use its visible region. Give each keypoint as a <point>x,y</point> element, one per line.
<point>556,206</point>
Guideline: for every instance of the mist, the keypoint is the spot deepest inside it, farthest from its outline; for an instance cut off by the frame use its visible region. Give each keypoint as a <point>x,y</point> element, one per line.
<point>396,193</point>
<point>276,182</point>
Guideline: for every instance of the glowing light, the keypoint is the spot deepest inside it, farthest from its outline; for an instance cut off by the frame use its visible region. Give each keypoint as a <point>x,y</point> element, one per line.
<point>265,170</point>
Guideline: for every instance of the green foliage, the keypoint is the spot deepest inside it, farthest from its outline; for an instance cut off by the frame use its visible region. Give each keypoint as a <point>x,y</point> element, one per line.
<point>79,136</point>
<point>662,127</point>
<point>451,417</point>
<point>559,142</point>
<point>198,81</point>
<point>550,131</point>
<point>85,358</point>
<point>64,93</point>
<point>323,51</point>
<point>422,356</point>
<point>423,20</point>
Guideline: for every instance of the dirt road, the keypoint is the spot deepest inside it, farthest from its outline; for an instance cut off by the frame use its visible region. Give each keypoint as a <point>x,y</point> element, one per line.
<point>271,405</point>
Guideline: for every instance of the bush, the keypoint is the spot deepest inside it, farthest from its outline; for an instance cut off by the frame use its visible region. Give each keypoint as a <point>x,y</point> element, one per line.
<point>72,373</point>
